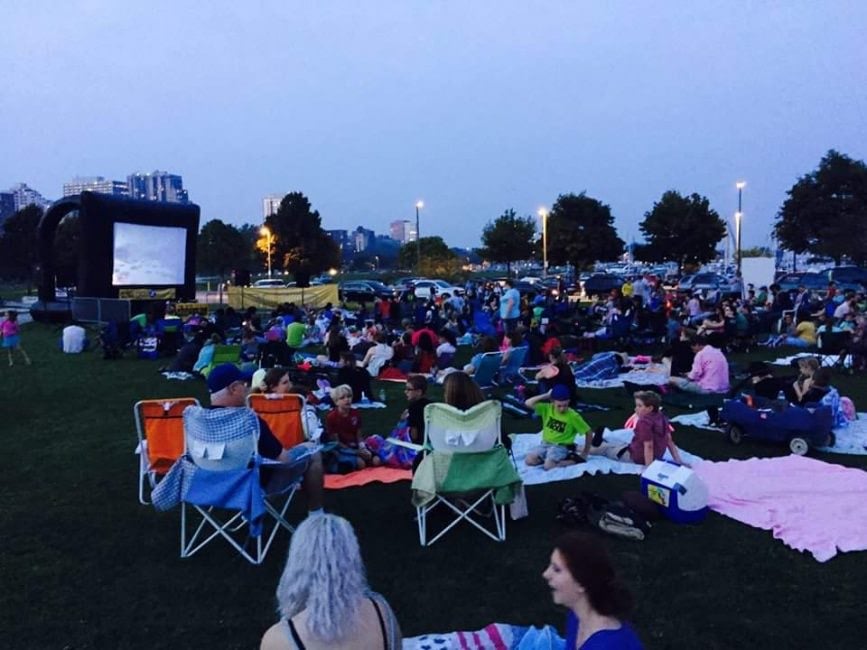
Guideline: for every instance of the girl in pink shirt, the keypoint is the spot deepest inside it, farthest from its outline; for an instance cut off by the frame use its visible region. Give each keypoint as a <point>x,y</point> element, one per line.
<point>10,331</point>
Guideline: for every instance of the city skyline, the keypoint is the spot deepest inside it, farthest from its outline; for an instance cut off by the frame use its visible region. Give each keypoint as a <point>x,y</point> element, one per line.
<point>472,109</point>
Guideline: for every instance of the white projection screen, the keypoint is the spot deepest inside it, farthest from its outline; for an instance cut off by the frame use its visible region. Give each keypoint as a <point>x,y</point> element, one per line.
<point>148,255</point>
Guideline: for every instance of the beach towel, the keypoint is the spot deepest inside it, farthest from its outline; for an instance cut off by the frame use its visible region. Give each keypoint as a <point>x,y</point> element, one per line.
<point>496,636</point>
<point>806,503</point>
<point>851,439</point>
<point>365,476</point>
<point>524,442</point>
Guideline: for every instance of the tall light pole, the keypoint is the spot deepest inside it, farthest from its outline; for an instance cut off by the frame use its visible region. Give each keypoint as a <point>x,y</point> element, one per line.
<point>418,206</point>
<point>738,216</point>
<point>543,213</point>
<point>265,231</point>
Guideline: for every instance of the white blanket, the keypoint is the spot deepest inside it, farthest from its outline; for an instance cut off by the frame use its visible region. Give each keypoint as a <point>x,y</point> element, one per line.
<point>524,442</point>
<point>850,440</point>
<point>787,361</point>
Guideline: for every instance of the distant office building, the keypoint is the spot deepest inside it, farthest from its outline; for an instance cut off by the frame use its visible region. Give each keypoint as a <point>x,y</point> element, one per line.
<point>402,231</point>
<point>271,204</point>
<point>24,196</point>
<point>362,239</point>
<point>96,184</point>
<point>340,237</point>
<point>7,206</point>
<point>157,186</point>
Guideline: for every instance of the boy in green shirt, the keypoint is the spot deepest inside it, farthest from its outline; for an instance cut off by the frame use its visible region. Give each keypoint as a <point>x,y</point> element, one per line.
<point>560,425</point>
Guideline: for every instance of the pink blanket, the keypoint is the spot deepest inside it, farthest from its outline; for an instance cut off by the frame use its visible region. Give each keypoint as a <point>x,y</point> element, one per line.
<point>808,504</point>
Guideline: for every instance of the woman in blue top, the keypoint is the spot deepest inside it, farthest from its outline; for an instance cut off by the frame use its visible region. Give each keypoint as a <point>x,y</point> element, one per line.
<point>582,579</point>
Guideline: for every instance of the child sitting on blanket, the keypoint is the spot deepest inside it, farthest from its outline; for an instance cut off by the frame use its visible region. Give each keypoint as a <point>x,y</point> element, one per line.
<point>560,425</point>
<point>652,436</point>
<point>343,426</point>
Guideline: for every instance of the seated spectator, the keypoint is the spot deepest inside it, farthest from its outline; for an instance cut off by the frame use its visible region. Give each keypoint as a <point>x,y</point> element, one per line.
<point>377,356</point>
<point>460,391</point>
<point>249,345</point>
<point>425,354</point>
<point>679,355</point>
<point>446,349</point>
<point>582,579</point>
<point>273,381</point>
<point>335,341</point>
<point>409,428</point>
<point>295,333</point>
<point>804,335</point>
<point>187,355</point>
<point>343,426</point>
<point>74,339</point>
<point>323,598</point>
<point>650,439</point>
<point>709,373</point>
<point>358,379</point>
<point>404,352</point>
<point>802,389</point>
<point>560,425</point>
<point>274,352</point>
<point>557,371</point>
<point>488,344</point>
<point>206,353</point>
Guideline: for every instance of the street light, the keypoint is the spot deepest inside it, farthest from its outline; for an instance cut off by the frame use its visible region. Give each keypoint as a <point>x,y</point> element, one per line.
<point>266,232</point>
<point>543,213</point>
<point>738,216</point>
<point>418,206</point>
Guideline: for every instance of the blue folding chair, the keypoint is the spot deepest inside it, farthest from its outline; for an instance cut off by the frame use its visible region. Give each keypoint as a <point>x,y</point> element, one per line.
<point>488,369</point>
<point>516,361</point>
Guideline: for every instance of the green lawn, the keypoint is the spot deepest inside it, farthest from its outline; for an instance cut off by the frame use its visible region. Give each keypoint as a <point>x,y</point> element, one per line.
<point>83,565</point>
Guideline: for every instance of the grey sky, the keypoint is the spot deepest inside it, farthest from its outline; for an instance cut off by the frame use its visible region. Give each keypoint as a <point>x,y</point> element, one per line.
<point>475,107</point>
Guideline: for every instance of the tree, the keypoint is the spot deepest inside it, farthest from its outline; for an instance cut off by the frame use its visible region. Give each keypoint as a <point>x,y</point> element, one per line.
<point>826,211</point>
<point>581,231</point>
<point>219,248</point>
<point>18,249</point>
<point>433,249</point>
<point>300,243</point>
<point>684,229</point>
<point>508,239</point>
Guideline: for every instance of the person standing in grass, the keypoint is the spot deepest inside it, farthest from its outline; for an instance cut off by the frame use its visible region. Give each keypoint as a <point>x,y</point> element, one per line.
<point>11,333</point>
<point>560,425</point>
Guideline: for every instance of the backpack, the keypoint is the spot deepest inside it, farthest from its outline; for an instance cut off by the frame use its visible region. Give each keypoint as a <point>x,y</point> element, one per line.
<point>612,517</point>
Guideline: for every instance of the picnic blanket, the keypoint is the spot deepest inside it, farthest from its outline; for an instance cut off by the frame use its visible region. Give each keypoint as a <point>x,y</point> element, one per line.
<point>808,504</point>
<point>496,636</point>
<point>787,361</point>
<point>365,476</point>
<point>355,405</point>
<point>524,442</point>
<point>654,373</point>
<point>851,439</point>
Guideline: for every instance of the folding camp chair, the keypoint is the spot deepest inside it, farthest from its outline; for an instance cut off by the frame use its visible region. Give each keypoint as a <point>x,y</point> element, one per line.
<point>488,369</point>
<point>160,427</point>
<point>224,490</point>
<point>833,347</point>
<point>285,415</point>
<point>223,354</point>
<point>463,460</point>
<point>516,360</point>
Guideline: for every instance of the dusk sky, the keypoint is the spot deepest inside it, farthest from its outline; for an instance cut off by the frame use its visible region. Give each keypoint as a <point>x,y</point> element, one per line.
<point>474,107</point>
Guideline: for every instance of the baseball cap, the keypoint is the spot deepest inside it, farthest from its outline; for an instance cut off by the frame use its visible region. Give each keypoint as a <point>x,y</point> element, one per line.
<point>225,375</point>
<point>560,393</point>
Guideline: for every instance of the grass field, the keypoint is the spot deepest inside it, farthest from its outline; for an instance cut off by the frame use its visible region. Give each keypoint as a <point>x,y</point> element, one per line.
<point>83,565</point>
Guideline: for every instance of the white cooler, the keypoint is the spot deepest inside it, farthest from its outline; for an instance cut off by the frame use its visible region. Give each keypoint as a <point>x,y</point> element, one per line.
<point>680,494</point>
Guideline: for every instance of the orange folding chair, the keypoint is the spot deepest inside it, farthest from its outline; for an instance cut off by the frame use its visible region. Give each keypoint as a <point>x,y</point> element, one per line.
<point>284,415</point>
<point>160,427</point>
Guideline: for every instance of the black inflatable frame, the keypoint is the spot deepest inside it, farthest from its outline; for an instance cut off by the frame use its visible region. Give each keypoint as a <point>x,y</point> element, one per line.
<point>98,213</point>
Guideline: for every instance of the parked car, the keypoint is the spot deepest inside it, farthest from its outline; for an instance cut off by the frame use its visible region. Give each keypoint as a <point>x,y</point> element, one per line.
<point>269,283</point>
<point>685,282</point>
<point>361,291</point>
<point>705,282</point>
<point>443,288</point>
<point>847,278</point>
<point>601,284</point>
<point>815,282</point>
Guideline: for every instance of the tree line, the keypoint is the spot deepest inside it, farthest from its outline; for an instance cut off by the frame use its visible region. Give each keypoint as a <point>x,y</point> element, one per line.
<point>823,215</point>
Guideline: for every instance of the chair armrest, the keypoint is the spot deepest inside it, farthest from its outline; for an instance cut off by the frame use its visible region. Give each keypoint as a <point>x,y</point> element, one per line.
<point>403,443</point>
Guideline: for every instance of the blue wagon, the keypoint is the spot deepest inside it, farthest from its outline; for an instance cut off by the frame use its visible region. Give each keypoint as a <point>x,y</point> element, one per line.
<point>800,428</point>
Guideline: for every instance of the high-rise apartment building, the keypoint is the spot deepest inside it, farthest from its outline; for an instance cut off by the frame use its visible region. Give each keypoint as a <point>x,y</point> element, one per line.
<point>362,238</point>
<point>270,205</point>
<point>340,237</point>
<point>402,231</point>
<point>157,186</point>
<point>23,196</point>
<point>97,184</point>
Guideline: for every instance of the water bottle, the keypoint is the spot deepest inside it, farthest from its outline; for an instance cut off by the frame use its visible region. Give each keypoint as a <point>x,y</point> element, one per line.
<point>382,395</point>
<point>364,399</point>
<point>782,402</point>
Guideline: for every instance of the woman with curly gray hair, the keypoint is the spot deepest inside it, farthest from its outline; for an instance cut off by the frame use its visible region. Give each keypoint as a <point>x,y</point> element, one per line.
<point>323,597</point>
